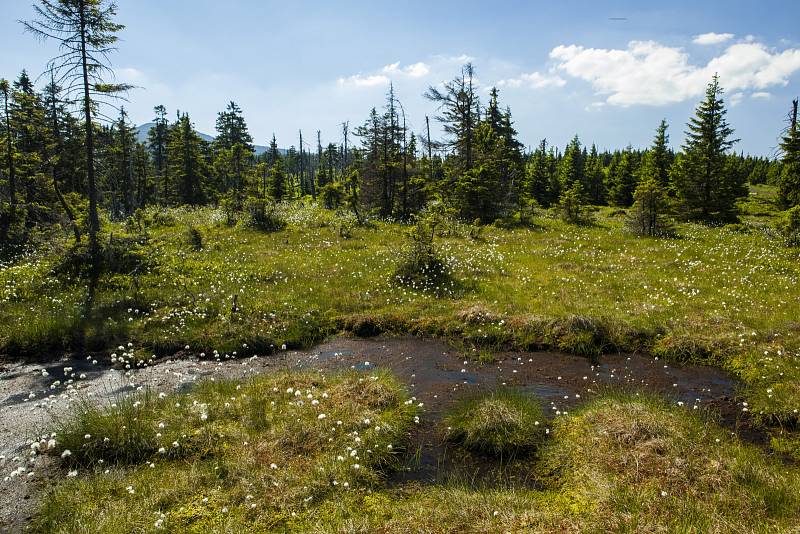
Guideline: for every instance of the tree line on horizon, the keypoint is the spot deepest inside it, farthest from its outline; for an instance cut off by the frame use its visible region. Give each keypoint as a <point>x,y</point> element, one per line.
<point>57,164</point>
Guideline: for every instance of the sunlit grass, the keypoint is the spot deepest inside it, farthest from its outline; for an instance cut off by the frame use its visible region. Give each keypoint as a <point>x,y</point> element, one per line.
<point>726,296</point>
<point>227,455</point>
<point>622,462</point>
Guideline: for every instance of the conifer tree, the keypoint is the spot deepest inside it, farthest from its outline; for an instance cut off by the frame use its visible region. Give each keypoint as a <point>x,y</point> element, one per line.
<point>157,139</point>
<point>480,193</point>
<point>571,168</point>
<point>649,214</point>
<point>458,103</point>
<point>273,154</point>
<point>277,179</point>
<point>62,150</point>
<point>572,205</point>
<point>142,177</point>
<point>789,183</point>
<point>121,167</point>
<point>493,114</point>
<point>234,148</point>
<point>661,155</point>
<point>537,176</point>
<point>594,177</point>
<point>381,160</point>
<point>553,164</point>
<point>32,140</point>
<point>705,183</point>
<point>11,171</point>
<point>187,165</point>
<point>622,177</point>
<point>87,34</point>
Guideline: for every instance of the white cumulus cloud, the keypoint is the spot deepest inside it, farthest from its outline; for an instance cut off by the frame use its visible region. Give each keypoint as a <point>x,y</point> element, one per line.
<point>712,38</point>
<point>649,73</point>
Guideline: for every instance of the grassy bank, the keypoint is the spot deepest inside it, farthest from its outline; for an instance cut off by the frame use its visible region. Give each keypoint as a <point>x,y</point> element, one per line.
<point>263,454</point>
<point>259,457</point>
<point>721,295</point>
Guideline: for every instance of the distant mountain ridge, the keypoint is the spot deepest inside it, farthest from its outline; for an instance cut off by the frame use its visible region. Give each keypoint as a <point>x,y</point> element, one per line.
<point>144,129</point>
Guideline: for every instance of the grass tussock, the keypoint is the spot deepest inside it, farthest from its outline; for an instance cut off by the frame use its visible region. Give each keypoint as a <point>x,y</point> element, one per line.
<point>502,424</point>
<point>635,463</point>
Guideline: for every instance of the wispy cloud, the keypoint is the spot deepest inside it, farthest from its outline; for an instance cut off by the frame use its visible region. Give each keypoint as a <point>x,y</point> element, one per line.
<point>534,80</point>
<point>416,70</point>
<point>712,38</point>
<point>382,77</point>
<point>359,80</point>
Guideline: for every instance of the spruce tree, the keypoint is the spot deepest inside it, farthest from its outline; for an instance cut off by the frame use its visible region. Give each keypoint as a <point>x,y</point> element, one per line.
<point>570,169</point>
<point>482,192</point>
<point>661,155</point>
<point>459,104</point>
<point>789,182</point>
<point>553,162</point>
<point>187,165</point>
<point>143,184</point>
<point>649,215</point>
<point>121,167</point>
<point>572,205</point>
<point>705,183</point>
<point>622,178</point>
<point>61,151</point>
<point>34,147</point>
<point>277,180</point>
<point>595,177</point>
<point>234,148</point>
<point>10,163</point>
<point>372,172</point>
<point>157,144</point>
<point>493,114</point>
<point>273,154</point>
<point>58,120</point>
<point>87,34</point>
<point>537,176</point>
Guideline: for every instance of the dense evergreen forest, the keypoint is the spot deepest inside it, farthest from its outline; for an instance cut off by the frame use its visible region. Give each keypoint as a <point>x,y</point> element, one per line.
<point>70,151</point>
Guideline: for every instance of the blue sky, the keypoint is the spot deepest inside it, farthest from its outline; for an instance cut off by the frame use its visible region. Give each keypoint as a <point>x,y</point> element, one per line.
<point>563,67</point>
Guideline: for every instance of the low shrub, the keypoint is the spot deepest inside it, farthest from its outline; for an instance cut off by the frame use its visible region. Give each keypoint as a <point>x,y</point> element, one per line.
<point>194,238</point>
<point>420,265</point>
<point>332,195</point>
<point>116,255</point>
<point>263,215</point>
<point>790,227</point>
<point>650,214</point>
<point>572,206</point>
